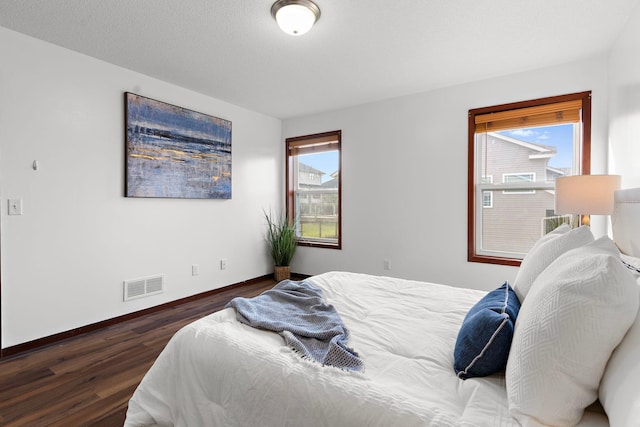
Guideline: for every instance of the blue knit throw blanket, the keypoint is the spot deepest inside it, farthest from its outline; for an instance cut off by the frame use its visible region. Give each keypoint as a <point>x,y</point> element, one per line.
<point>309,326</point>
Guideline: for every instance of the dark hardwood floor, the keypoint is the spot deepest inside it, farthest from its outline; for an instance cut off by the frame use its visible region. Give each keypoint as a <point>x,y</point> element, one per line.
<point>88,379</point>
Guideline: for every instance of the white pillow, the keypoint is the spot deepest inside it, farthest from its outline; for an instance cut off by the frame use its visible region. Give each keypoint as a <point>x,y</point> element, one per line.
<point>624,221</point>
<point>545,251</point>
<point>577,312</point>
<point>619,392</point>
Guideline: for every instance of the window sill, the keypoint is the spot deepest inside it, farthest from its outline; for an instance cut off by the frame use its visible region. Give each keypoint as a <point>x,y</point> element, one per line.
<point>494,260</point>
<point>319,244</point>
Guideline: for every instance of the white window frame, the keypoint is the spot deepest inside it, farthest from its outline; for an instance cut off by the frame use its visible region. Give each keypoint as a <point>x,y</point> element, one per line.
<point>518,183</point>
<point>488,179</point>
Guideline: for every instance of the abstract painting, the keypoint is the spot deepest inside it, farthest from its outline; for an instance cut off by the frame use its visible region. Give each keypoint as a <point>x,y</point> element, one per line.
<point>175,152</point>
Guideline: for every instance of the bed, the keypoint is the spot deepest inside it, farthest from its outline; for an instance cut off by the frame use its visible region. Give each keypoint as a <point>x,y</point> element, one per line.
<point>220,372</point>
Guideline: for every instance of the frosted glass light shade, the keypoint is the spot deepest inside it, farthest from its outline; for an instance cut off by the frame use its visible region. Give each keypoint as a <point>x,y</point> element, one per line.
<point>295,17</point>
<point>586,194</point>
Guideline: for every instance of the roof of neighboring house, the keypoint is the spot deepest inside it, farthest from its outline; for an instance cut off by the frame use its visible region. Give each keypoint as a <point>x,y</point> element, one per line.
<point>540,150</point>
<point>332,183</point>
<point>559,171</point>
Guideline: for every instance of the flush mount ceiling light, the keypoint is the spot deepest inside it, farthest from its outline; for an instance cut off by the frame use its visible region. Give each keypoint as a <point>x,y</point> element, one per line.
<point>295,17</point>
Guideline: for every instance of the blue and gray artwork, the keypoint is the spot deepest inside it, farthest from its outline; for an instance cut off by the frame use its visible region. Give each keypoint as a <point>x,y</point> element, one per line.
<point>175,152</point>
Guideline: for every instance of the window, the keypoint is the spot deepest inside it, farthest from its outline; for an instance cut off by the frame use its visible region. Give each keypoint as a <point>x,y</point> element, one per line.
<point>314,188</point>
<point>487,196</point>
<point>510,178</point>
<point>528,144</point>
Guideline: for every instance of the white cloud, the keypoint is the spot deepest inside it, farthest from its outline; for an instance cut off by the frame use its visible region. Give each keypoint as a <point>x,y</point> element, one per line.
<point>545,135</point>
<point>523,132</point>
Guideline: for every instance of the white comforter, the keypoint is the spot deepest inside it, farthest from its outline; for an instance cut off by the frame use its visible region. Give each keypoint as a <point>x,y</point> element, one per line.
<point>219,372</point>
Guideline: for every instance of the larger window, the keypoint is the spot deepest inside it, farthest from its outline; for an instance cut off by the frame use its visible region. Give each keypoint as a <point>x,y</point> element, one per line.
<point>314,185</point>
<point>528,144</point>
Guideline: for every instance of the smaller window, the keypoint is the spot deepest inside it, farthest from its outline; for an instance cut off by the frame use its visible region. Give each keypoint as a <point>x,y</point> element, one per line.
<point>487,196</point>
<point>518,178</point>
<point>314,188</point>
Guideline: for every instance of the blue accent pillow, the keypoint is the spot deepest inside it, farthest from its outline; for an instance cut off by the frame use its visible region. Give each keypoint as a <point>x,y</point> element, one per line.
<point>484,340</point>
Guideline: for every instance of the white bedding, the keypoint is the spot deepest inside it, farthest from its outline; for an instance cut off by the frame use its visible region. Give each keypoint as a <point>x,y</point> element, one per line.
<point>219,372</point>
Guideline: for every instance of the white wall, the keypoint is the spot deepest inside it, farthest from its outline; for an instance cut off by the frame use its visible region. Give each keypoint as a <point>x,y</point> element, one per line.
<point>64,259</point>
<point>624,122</point>
<point>405,175</point>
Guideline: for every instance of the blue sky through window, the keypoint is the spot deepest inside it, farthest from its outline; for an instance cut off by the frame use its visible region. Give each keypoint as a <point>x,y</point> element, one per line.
<point>559,136</point>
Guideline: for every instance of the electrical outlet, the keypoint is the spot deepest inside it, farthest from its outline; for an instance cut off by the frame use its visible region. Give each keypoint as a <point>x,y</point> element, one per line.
<point>387,264</point>
<point>195,269</point>
<point>15,206</point>
<point>223,264</point>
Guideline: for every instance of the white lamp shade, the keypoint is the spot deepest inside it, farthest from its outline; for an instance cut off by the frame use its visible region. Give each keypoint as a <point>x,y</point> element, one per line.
<point>586,194</point>
<point>295,17</point>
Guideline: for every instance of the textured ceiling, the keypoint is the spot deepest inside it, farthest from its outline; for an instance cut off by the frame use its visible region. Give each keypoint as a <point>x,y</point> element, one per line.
<point>360,51</point>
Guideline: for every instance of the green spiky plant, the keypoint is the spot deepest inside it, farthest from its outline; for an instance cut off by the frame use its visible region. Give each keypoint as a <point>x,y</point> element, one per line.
<point>281,238</point>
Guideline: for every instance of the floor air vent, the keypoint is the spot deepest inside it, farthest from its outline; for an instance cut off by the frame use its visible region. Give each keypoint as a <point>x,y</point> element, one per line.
<point>138,288</point>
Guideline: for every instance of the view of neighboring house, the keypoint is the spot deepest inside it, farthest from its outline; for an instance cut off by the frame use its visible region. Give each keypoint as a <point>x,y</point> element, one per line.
<point>506,225</point>
<point>309,177</point>
<point>316,198</point>
<point>318,201</point>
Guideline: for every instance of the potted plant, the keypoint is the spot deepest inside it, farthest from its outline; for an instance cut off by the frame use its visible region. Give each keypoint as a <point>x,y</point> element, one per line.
<point>281,239</point>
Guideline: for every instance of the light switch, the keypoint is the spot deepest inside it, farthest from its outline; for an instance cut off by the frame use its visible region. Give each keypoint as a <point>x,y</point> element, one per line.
<point>15,206</point>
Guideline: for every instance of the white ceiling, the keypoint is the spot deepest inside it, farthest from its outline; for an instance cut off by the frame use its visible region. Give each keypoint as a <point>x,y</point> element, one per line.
<point>360,51</point>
